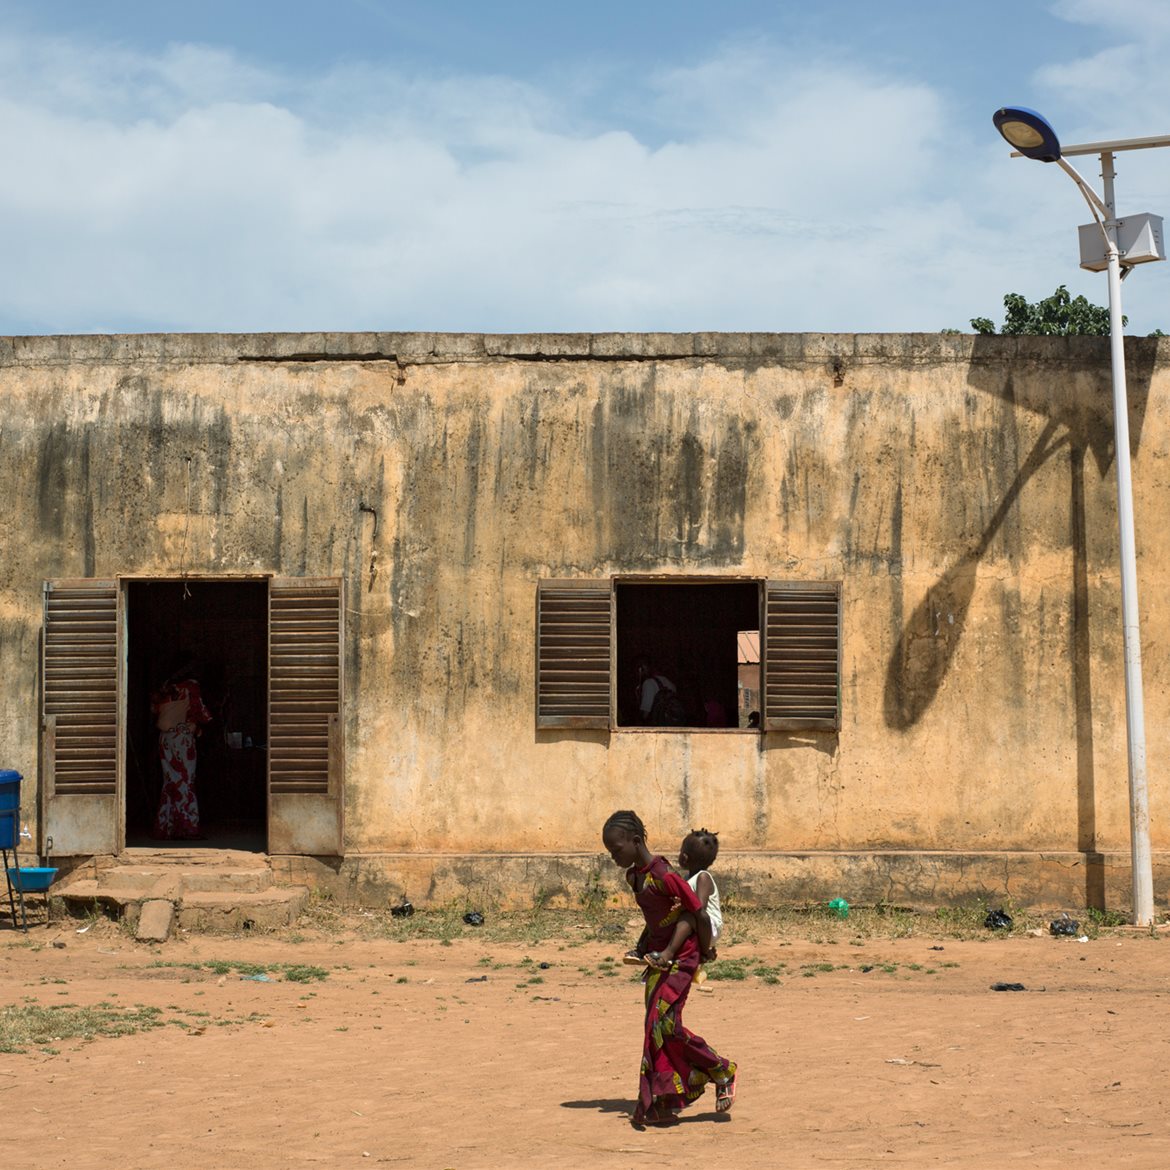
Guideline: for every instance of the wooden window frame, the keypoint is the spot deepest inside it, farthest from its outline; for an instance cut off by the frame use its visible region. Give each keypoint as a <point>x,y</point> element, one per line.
<point>577,642</point>
<point>81,679</point>
<point>800,655</point>
<point>575,653</point>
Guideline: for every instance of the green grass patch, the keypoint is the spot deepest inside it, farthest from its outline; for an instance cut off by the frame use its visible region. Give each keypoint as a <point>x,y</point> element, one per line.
<point>735,970</point>
<point>290,972</point>
<point>567,923</point>
<point>26,1026</point>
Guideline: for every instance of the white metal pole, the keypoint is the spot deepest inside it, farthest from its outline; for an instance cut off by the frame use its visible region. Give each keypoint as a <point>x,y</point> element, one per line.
<point>1135,724</point>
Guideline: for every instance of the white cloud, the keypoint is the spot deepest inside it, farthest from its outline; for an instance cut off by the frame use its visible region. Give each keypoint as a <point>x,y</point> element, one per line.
<point>1131,18</point>
<point>194,190</point>
<point>1126,78</point>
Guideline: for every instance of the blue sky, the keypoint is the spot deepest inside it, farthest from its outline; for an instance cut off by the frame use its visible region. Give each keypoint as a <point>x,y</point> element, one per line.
<point>394,164</point>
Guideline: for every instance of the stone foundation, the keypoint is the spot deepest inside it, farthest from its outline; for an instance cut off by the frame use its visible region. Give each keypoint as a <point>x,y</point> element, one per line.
<point>895,877</point>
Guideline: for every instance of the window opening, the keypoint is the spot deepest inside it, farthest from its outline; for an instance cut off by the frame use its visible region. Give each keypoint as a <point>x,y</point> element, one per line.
<point>678,652</point>
<point>747,644</point>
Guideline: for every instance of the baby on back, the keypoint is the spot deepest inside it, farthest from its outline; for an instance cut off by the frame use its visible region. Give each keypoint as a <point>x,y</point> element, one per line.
<point>697,853</point>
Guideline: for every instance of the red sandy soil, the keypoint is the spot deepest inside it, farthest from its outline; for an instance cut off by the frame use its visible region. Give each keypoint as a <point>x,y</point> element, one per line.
<point>840,1068</point>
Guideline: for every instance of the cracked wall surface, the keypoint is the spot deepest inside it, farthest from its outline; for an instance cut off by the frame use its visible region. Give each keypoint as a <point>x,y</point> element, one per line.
<point>961,489</point>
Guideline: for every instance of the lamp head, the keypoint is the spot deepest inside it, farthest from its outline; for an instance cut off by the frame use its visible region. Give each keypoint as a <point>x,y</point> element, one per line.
<point>1028,132</point>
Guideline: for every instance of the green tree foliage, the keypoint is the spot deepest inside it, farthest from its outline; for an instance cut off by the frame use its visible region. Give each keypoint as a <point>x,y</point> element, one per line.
<point>1059,314</point>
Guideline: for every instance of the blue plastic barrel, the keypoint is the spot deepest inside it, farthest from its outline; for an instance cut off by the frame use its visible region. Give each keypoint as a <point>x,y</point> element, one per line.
<point>10,789</point>
<point>9,809</point>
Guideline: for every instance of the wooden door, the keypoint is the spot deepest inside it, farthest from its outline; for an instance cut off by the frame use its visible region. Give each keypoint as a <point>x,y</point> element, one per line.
<point>305,743</point>
<point>81,749</point>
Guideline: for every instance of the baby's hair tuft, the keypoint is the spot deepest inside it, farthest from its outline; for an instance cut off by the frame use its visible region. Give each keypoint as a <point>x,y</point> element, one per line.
<point>701,847</point>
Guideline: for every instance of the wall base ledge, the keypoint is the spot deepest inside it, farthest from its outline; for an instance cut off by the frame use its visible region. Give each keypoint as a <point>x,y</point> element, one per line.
<point>900,877</point>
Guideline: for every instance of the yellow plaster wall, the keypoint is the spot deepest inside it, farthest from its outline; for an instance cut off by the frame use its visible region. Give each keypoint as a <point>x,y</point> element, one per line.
<point>960,488</point>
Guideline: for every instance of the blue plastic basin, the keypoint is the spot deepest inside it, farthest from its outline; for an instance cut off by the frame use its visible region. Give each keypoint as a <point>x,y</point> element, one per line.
<point>30,879</point>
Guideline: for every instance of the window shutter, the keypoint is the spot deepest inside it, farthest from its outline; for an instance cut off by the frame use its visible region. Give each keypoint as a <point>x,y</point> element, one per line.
<point>574,624</point>
<point>802,656</point>
<point>304,667</point>
<point>80,673</point>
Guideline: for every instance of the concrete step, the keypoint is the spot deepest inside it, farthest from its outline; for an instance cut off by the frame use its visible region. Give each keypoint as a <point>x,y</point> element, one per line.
<point>219,912</point>
<point>190,857</point>
<point>85,894</point>
<point>213,891</point>
<point>142,879</point>
<point>210,881</point>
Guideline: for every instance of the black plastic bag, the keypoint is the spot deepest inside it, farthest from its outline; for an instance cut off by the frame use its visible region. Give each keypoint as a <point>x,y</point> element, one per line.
<point>998,920</point>
<point>473,918</point>
<point>1064,926</point>
<point>404,910</point>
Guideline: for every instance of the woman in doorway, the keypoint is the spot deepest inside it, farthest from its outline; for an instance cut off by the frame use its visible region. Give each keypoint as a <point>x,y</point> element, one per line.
<point>179,714</point>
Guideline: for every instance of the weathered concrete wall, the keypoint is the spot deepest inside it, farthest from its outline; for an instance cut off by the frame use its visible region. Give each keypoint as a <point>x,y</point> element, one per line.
<point>961,488</point>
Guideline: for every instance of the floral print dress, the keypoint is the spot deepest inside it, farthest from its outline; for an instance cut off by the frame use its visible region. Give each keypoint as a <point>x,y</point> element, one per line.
<point>181,706</point>
<point>677,1065</point>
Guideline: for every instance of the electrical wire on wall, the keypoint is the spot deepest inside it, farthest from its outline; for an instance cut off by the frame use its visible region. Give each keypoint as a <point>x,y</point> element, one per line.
<point>373,549</point>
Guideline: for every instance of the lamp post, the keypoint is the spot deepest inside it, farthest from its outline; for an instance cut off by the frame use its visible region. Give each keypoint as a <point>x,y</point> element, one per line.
<point>1127,242</point>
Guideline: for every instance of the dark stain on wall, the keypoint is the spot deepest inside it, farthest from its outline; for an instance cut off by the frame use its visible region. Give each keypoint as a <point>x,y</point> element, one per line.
<point>278,529</point>
<point>668,489</point>
<point>686,489</point>
<point>598,463</point>
<point>469,459</point>
<point>1015,647</point>
<point>54,462</point>
<point>88,537</point>
<point>784,405</point>
<point>64,493</point>
<point>729,495</point>
<point>895,561</point>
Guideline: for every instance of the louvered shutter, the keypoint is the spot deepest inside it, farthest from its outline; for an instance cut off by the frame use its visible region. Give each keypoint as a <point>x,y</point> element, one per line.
<point>80,673</point>
<point>304,666</point>
<point>574,635</point>
<point>802,656</point>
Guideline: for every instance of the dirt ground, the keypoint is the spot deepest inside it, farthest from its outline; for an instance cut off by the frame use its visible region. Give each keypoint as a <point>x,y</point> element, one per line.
<point>855,1051</point>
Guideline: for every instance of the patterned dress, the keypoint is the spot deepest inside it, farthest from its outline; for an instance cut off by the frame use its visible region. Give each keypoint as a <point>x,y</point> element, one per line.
<point>676,1064</point>
<point>179,710</point>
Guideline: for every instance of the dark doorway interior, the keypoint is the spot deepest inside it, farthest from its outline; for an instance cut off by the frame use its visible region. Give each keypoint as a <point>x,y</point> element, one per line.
<point>223,627</point>
<point>688,632</point>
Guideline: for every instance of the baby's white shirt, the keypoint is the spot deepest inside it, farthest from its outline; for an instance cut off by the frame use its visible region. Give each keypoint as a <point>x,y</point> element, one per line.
<point>713,911</point>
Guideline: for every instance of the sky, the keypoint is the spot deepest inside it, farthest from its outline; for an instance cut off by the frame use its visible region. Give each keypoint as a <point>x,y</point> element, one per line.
<point>255,165</point>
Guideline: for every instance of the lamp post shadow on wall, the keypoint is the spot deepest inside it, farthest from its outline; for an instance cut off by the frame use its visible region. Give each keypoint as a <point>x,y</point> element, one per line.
<point>1112,245</point>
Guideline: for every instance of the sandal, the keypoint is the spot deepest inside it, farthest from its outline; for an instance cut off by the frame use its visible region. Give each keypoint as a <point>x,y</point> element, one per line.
<point>724,1095</point>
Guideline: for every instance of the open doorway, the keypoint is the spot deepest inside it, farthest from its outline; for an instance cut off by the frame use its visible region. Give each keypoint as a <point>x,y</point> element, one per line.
<point>219,629</point>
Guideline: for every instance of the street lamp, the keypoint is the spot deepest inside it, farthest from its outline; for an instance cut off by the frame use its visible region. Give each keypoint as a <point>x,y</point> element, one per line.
<point>1114,245</point>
